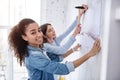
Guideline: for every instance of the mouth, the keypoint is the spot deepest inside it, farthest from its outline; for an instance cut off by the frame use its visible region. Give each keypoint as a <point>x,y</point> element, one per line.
<point>40,39</point>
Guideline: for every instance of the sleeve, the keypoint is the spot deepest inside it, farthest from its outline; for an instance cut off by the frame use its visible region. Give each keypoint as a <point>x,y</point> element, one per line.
<point>59,49</point>
<point>44,64</point>
<point>64,34</point>
<point>55,57</point>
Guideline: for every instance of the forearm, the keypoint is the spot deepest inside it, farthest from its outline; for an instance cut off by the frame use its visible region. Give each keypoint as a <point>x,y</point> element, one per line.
<point>79,17</point>
<point>67,53</point>
<point>81,60</point>
<point>72,50</point>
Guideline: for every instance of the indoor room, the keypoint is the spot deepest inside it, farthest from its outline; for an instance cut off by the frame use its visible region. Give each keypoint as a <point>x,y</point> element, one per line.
<point>100,20</point>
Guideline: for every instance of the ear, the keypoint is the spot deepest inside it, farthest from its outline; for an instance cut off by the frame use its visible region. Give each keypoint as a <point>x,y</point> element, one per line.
<point>24,38</point>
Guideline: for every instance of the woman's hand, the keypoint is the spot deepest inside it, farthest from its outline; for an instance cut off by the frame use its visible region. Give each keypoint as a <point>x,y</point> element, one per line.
<point>95,49</point>
<point>82,11</point>
<point>75,48</point>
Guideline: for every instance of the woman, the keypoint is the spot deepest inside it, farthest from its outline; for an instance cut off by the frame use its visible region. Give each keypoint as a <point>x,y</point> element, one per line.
<point>26,41</point>
<point>52,44</point>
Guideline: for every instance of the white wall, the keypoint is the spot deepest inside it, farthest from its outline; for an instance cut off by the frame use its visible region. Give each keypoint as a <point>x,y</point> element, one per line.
<point>113,62</point>
<point>105,65</point>
<point>111,27</point>
<point>53,11</point>
<point>90,70</point>
<point>61,13</point>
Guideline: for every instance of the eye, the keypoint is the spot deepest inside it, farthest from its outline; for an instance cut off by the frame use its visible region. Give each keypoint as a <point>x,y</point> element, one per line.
<point>49,30</point>
<point>39,30</point>
<point>33,33</point>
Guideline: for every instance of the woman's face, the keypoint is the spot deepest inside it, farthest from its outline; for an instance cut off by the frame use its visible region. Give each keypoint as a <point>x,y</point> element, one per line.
<point>50,33</point>
<point>33,36</point>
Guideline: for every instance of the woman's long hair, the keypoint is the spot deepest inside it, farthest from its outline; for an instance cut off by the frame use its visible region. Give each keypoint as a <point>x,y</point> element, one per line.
<point>44,30</point>
<point>16,42</point>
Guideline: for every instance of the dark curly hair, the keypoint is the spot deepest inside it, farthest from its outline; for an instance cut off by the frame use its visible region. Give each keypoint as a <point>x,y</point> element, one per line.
<point>16,42</point>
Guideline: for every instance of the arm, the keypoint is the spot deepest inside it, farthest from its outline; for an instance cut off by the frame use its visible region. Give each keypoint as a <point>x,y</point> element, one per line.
<point>95,49</point>
<point>71,51</point>
<point>63,48</point>
<point>65,33</point>
<point>55,57</point>
<point>76,21</point>
<point>59,49</point>
<point>40,62</point>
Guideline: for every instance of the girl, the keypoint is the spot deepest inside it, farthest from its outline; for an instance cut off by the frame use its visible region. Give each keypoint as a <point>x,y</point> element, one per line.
<point>26,41</point>
<point>52,43</point>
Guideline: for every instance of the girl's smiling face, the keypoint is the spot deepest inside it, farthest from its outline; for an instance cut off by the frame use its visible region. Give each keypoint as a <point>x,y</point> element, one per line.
<point>33,35</point>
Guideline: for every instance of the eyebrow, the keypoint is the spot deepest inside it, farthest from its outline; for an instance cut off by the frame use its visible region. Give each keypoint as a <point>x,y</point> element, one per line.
<point>34,29</point>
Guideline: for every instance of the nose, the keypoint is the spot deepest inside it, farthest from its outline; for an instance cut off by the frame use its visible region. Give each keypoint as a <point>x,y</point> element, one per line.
<point>40,34</point>
<point>53,31</point>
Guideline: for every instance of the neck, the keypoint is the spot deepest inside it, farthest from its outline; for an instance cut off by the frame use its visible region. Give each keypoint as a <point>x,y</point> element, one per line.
<point>50,40</point>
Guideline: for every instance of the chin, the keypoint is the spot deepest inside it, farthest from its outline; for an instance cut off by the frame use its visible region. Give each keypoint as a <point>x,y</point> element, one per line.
<point>54,37</point>
<point>40,43</point>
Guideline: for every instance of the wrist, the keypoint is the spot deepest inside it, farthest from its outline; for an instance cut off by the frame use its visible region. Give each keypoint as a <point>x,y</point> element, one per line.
<point>89,54</point>
<point>73,50</point>
<point>74,34</point>
<point>79,16</point>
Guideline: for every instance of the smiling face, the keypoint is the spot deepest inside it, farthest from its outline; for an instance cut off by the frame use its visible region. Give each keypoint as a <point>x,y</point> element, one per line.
<point>33,35</point>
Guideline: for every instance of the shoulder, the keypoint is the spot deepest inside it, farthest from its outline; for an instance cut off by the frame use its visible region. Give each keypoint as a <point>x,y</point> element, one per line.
<point>35,51</point>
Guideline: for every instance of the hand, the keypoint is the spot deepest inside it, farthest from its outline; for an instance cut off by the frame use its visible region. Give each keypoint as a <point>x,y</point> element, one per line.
<point>82,11</point>
<point>75,48</point>
<point>96,48</point>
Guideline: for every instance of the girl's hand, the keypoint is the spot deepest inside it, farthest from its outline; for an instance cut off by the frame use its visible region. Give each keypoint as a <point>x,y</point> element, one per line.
<point>82,11</point>
<point>75,48</point>
<point>96,48</point>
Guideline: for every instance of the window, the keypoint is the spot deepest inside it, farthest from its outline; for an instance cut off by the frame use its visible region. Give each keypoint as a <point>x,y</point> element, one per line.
<point>3,54</point>
<point>14,11</point>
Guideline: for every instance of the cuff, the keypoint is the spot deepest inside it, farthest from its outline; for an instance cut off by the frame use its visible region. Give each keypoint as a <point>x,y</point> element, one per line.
<point>61,58</point>
<point>72,38</point>
<point>70,66</point>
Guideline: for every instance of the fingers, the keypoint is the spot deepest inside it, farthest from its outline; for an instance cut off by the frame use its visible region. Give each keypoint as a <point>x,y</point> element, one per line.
<point>99,49</point>
<point>76,47</point>
<point>85,6</point>
<point>97,44</point>
<point>82,11</point>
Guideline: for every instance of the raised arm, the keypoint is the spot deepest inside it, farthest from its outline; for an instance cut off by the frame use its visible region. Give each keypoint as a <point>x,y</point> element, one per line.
<point>62,48</point>
<point>73,25</point>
